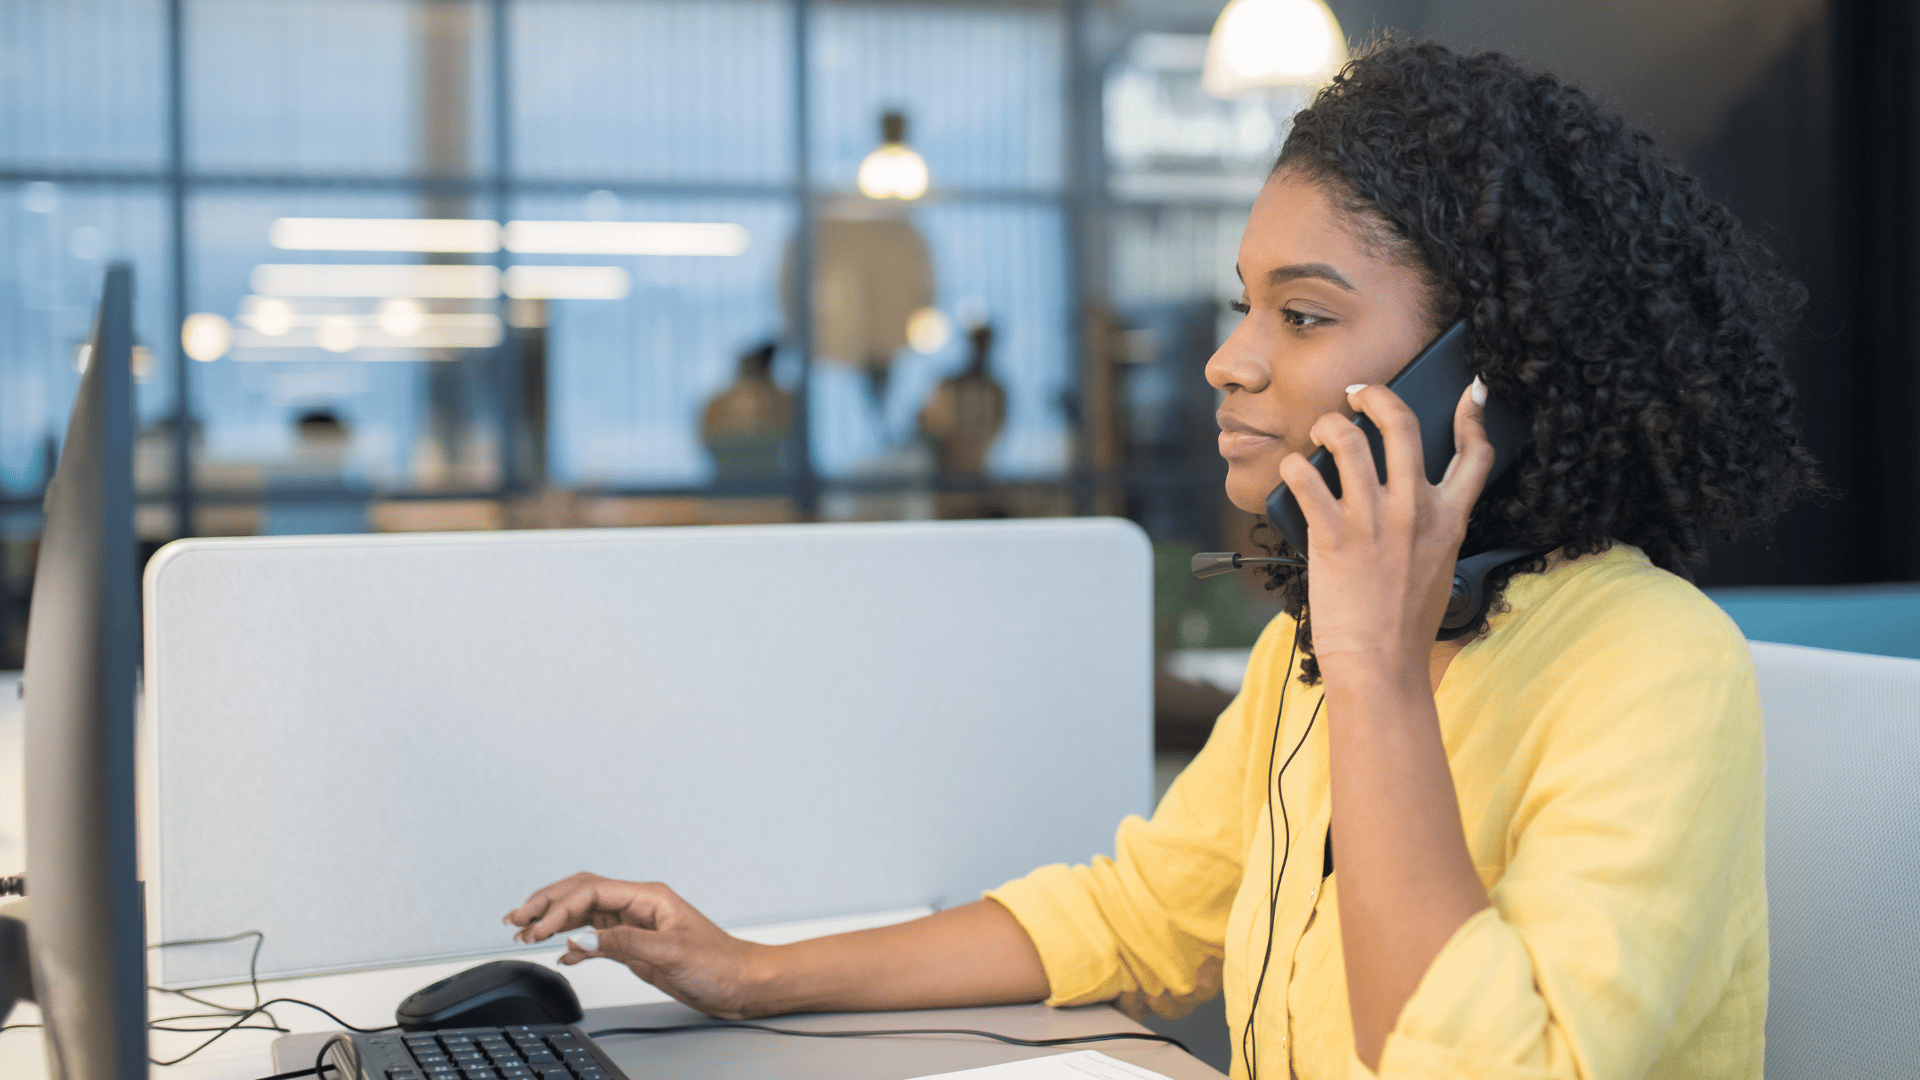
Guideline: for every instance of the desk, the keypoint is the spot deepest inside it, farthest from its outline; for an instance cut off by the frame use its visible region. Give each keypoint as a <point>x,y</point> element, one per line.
<point>730,1054</point>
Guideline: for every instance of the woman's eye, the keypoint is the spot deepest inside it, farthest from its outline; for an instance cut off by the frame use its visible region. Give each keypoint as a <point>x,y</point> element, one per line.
<point>1240,306</point>
<point>1301,319</point>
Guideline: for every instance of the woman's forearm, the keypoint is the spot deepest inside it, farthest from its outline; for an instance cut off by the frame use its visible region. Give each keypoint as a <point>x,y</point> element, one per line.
<point>1407,881</point>
<point>975,954</point>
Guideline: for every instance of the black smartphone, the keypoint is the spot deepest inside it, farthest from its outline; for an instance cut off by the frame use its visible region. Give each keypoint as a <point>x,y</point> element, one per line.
<point>1431,386</point>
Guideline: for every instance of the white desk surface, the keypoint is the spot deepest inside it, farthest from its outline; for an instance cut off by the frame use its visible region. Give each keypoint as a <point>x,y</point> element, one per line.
<point>727,1054</point>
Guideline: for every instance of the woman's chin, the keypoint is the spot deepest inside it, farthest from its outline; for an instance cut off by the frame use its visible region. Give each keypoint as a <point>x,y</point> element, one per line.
<point>1246,492</point>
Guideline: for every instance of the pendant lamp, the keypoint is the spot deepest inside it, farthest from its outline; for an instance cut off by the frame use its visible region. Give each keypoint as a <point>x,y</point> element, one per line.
<point>1272,44</point>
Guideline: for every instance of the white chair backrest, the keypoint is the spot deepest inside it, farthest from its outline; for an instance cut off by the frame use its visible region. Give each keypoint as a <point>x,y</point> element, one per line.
<point>1843,862</point>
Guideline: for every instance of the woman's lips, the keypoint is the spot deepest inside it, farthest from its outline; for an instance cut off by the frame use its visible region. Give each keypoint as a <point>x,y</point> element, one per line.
<point>1237,444</point>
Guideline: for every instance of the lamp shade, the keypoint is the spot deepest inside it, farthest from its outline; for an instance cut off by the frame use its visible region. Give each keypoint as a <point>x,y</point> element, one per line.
<point>1260,44</point>
<point>893,171</point>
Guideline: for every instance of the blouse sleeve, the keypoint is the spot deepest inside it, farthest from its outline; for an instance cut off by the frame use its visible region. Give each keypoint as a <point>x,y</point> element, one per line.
<point>1630,880</point>
<point>1148,926</point>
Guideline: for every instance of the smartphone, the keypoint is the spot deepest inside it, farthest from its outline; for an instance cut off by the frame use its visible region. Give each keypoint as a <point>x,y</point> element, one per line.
<point>1431,386</point>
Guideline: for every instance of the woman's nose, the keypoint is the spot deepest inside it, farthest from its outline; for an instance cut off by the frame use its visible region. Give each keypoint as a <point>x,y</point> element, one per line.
<point>1238,364</point>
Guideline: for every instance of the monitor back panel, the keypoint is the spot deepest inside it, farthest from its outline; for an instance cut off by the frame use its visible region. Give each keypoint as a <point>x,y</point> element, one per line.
<point>370,748</point>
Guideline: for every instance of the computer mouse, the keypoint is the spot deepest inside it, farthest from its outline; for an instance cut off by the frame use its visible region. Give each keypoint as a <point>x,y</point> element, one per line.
<point>502,992</point>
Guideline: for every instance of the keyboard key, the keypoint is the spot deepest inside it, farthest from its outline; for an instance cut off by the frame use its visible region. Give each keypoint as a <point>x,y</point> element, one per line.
<point>480,1072</point>
<point>402,1074</point>
<point>541,1058</point>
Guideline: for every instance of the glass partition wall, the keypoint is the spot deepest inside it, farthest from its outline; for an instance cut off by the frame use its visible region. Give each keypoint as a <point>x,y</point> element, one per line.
<point>456,264</point>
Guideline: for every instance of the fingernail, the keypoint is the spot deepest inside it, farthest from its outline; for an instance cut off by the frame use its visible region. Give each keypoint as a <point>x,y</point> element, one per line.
<point>1479,391</point>
<point>1356,388</point>
<point>585,941</point>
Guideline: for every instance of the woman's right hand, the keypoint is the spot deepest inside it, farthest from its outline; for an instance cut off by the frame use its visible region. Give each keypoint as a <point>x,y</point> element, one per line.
<point>660,937</point>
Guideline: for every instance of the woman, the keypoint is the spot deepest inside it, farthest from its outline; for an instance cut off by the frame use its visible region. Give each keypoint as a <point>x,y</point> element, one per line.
<point>1548,833</point>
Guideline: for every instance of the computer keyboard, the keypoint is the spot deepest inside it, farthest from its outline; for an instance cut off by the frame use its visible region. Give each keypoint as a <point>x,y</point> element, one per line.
<point>514,1052</point>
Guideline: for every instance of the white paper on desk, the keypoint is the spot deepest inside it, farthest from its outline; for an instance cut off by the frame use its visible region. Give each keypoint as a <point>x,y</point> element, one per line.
<point>1078,1065</point>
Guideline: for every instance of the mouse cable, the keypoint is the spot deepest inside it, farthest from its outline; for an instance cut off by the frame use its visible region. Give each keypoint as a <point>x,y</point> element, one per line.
<point>673,1029</point>
<point>318,1067</point>
<point>239,1016</point>
<point>253,977</point>
<point>262,1007</point>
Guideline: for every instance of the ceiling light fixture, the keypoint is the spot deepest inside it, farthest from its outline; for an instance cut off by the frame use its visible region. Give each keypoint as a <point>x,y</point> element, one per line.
<point>893,171</point>
<point>477,236</point>
<point>205,336</point>
<point>1268,44</point>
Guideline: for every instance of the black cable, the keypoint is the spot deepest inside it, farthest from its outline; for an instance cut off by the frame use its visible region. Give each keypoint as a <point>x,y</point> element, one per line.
<point>319,1064</point>
<point>253,967</point>
<point>1249,1041</point>
<point>235,1026</point>
<point>238,1015</point>
<point>242,1014</point>
<point>160,1025</point>
<point>672,1029</point>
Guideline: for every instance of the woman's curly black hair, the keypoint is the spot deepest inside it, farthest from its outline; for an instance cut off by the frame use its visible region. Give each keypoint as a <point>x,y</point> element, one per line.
<point>1608,298</point>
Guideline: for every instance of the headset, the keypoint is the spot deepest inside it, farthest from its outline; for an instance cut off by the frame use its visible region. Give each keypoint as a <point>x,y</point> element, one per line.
<point>1431,385</point>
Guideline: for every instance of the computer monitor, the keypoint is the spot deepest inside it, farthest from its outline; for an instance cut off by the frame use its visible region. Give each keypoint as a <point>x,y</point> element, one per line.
<point>87,932</point>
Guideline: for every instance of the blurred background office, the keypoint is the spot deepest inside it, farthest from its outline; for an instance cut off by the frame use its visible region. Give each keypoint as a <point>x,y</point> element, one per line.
<point>482,264</point>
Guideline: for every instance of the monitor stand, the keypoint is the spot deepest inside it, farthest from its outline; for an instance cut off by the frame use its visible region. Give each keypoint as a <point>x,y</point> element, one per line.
<point>16,976</point>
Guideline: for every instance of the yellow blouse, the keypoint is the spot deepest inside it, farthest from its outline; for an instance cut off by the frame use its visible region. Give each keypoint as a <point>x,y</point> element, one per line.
<point>1606,749</point>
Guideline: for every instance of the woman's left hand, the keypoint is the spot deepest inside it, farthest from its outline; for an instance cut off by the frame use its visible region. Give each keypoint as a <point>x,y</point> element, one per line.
<point>1381,556</point>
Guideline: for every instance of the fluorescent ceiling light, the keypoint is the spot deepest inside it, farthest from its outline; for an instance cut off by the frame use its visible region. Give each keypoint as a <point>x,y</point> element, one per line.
<point>427,282</point>
<point>625,238</point>
<point>343,333</point>
<point>567,282</point>
<point>384,234</point>
<point>528,237</point>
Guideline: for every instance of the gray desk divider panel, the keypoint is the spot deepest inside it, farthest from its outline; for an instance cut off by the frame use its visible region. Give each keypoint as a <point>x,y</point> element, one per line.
<point>369,748</point>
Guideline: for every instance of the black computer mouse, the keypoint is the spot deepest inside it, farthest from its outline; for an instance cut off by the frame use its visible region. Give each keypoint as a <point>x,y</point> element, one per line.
<point>503,992</point>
